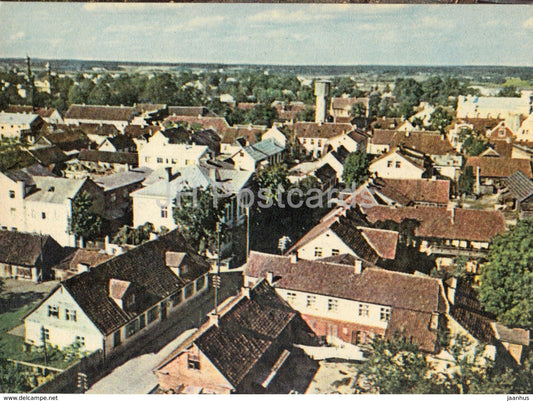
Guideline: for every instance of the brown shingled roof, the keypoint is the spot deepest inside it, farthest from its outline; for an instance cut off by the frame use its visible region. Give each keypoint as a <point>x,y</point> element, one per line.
<point>137,131</point>
<point>499,167</point>
<point>218,124</point>
<point>23,249</point>
<point>103,113</point>
<point>468,224</point>
<point>320,130</point>
<point>428,142</point>
<point>406,191</point>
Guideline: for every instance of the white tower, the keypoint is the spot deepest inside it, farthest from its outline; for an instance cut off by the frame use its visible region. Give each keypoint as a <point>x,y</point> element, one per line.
<point>321,93</point>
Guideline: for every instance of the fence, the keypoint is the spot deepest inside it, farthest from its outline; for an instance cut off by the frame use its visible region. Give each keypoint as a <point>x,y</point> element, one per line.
<point>73,379</point>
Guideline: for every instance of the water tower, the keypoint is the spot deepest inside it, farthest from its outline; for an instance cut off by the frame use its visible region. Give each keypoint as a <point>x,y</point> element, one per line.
<point>321,93</point>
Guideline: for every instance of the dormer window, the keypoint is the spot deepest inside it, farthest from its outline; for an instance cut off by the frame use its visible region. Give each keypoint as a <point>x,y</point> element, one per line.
<point>193,361</point>
<point>12,194</point>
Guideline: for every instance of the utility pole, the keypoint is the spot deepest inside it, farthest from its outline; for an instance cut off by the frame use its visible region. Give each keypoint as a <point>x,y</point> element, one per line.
<point>247,233</point>
<point>216,278</point>
<point>43,337</point>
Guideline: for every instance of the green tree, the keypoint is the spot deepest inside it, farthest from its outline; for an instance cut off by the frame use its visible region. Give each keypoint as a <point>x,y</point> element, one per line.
<point>12,379</point>
<point>473,144</point>
<point>273,180</point>
<point>507,278</point>
<point>466,181</point>
<point>355,170</point>
<point>161,88</point>
<point>440,119</point>
<point>509,91</point>
<point>197,218</point>
<point>307,114</point>
<point>359,110</point>
<point>100,95</point>
<point>84,222</point>
<point>395,367</point>
<point>261,114</point>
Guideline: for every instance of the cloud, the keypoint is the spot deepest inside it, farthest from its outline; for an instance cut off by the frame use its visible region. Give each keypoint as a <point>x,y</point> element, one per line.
<point>18,35</point>
<point>528,23</point>
<point>197,23</point>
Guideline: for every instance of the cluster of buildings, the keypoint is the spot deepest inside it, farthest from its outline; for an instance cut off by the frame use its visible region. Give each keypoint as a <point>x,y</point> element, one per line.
<point>358,274</point>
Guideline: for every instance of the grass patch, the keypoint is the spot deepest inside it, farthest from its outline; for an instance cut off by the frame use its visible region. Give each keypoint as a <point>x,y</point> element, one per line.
<point>10,320</point>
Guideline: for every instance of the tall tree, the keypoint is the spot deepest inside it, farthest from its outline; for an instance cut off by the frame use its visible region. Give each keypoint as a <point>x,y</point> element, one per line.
<point>440,119</point>
<point>273,180</point>
<point>355,170</point>
<point>84,222</point>
<point>197,218</point>
<point>507,278</point>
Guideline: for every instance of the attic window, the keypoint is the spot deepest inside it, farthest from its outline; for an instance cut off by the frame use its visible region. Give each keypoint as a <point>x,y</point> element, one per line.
<point>11,194</point>
<point>51,189</point>
<point>193,362</point>
<point>53,311</point>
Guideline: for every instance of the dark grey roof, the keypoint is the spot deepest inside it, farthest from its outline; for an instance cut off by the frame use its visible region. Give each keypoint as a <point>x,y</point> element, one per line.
<point>146,267</point>
<point>109,157</point>
<point>22,249</point>
<point>520,185</point>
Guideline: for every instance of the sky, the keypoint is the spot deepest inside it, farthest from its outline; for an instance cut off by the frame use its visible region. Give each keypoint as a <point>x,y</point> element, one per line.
<point>270,33</point>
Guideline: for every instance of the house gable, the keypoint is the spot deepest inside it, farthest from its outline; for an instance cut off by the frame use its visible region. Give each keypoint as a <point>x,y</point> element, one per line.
<point>64,319</point>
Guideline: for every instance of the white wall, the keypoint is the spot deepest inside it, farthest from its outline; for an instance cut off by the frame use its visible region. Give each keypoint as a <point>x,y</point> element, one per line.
<point>12,214</point>
<point>149,210</point>
<point>405,170</point>
<point>326,241</point>
<point>346,310</point>
<point>55,222</point>
<point>63,332</point>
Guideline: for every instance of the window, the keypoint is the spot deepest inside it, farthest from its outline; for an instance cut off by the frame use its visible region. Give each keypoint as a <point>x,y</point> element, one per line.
<point>116,339</point>
<point>164,212</point>
<point>53,311</point>
<point>311,301</point>
<point>131,328</point>
<point>189,162</point>
<point>188,291</point>
<point>291,297</point>
<point>160,160</point>
<point>312,141</point>
<point>174,161</point>
<point>200,283</point>
<point>142,321</point>
<point>45,334</point>
<point>11,194</point>
<point>384,314</point>
<point>70,315</point>
<point>176,299</point>
<point>318,252</point>
<point>146,159</point>
<point>398,164</point>
<point>332,304</point>
<point>363,310</point>
<point>43,215</point>
<point>113,197</point>
<point>13,211</point>
<point>80,340</point>
<point>389,163</point>
<point>153,314</point>
<point>334,252</point>
<point>319,142</point>
<point>193,362</point>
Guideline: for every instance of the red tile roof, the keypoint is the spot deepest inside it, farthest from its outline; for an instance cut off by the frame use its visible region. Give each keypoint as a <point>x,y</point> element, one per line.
<point>320,130</point>
<point>480,124</point>
<point>44,112</point>
<point>137,131</point>
<point>428,142</point>
<point>192,111</point>
<point>436,222</point>
<point>384,242</point>
<point>499,167</point>
<point>413,326</point>
<point>218,124</point>
<point>407,191</point>
<point>387,123</point>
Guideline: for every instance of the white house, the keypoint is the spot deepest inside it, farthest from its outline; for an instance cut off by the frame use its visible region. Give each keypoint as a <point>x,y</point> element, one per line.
<point>525,132</point>
<point>155,202</point>
<point>162,150</point>
<point>347,233</point>
<point>400,163</point>
<point>277,135</point>
<point>108,306</point>
<point>42,204</point>
<point>493,107</point>
<point>316,138</point>
<point>251,157</point>
<point>17,125</point>
<point>353,302</point>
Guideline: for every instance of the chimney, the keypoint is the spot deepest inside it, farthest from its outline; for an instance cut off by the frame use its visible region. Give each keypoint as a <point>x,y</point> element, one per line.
<point>169,173</point>
<point>213,319</point>
<point>83,267</point>
<point>451,208</point>
<point>358,266</point>
<point>294,257</point>
<point>245,291</point>
<point>270,277</point>
<point>452,285</point>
